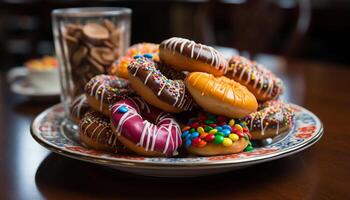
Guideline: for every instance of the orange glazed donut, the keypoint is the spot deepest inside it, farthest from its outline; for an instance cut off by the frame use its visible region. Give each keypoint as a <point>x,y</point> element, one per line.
<point>159,91</point>
<point>95,131</point>
<point>259,80</point>
<point>220,95</point>
<point>186,55</point>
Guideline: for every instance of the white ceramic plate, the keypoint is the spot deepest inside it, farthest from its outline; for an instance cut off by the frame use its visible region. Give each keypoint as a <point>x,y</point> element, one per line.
<point>17,77</point>
<point>48,130</point>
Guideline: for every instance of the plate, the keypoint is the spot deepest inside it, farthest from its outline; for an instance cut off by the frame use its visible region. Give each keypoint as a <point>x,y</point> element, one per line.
<point>48,129</point>
<point>19,84</point>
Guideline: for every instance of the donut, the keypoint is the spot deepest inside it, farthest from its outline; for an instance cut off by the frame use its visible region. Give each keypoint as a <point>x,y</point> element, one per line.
<point>171,73</point>
<point>120,66</point>
<point>186,55</point>
<point>104,90</point>
<point>272,118</point>
<point>95,132</point>
<point>80,106</point>
<point>209,135</point>
<point>145,129</point>
<point>159,91</point>
<point>259,80</point>
<point>220,95</point>
<point>150,49</point>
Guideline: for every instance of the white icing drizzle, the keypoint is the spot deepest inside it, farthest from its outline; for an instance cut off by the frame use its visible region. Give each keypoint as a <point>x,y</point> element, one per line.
<point>277,111</point>
<point>175,85</point>
<point>216,59</point>
<point>97,131</point>
<point>256,71</point>
<point>78,104</point>
<point>150,132</point>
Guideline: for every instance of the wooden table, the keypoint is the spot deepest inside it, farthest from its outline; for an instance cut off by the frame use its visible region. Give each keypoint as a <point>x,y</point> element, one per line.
<point>28,171</point>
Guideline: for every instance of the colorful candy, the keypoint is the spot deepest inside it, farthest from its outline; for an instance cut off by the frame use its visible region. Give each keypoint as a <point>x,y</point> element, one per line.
<point>218,139</point>
<point>233,137</point>
<point>207,128</point>
<point>227,142</point>
<point>213,131</point>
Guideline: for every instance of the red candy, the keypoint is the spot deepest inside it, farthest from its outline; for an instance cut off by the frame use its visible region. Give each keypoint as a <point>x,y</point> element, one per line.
<point>249,135</point>
<point>240,134</point>
<point>201,117</point>
<point>213,125</point>
<point>245,129</point>
<point>222,123</point>
<point>196,141</point>
<point>210,137</point>
<point>195,125</point>
<point>221,119</point>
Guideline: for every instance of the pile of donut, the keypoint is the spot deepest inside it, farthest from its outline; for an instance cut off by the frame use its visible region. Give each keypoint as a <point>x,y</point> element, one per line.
<point>180,96</point>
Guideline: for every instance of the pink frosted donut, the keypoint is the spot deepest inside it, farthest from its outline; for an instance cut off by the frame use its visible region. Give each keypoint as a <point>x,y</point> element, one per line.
<point>145,129</point>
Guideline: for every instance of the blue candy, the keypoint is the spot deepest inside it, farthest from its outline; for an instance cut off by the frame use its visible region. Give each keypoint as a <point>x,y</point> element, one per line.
<point>219,128</point>
<point>242,124</point>
<point>147,55</point>
<point>188,143</point>
<point>226,132</point>
<point>184,134</point>
<point>137,56</point>
<point>227,127</point>
<point>123,109</point>
<point>188,137</point>
<point>194,135</point>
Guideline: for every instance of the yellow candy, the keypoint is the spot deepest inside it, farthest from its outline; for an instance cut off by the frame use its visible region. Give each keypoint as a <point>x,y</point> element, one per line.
<point>213,131</point>
<point>233,137</point>
<point>200,129</point>
<point>231,122</point>
<point>239,127</point>
<point>227,142</point>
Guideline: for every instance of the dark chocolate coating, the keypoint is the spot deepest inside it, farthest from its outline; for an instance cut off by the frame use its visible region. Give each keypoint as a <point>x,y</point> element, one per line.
<point>172,92</point>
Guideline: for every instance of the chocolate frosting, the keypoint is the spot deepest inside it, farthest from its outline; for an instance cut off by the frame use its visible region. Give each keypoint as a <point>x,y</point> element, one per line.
<point>272,114</point>
<point>173,92</point>
<point>197,51</point>
<point>256,76</point>
<point>97,127</point>
<point>108,89</point>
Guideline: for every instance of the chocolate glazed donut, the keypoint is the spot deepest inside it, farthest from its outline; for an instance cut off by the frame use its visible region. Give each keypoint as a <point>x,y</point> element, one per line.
<point>259,80</point>
<point>103,91</point>
<point>272,118</point>
<point>96,132</point>
<point>186,55</point>
<point>159,91</point>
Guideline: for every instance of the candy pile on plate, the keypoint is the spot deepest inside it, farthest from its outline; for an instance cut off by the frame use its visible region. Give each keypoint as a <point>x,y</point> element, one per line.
<point>158,99</point>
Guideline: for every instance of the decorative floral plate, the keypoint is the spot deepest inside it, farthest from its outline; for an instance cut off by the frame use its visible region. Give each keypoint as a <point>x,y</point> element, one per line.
<point>48,129</point>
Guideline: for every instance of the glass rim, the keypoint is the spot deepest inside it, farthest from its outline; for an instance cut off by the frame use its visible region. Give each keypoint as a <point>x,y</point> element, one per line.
<point>90,11</point>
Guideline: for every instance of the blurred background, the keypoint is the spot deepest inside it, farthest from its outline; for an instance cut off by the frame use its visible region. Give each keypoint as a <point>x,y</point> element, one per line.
<point>307,29</point>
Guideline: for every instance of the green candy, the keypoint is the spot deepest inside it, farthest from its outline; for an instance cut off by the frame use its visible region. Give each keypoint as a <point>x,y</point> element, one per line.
<point>208,128</point>
<point>248,148</point>
<point>209,121</point>
<point>218,139</point>
<point>220,133</point>
<point>246,137</point>
<point>211,117</point>
<point>192,130</point>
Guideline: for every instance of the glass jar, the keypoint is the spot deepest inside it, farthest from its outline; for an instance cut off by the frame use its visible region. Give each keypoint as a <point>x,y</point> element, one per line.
<point>87,41</point>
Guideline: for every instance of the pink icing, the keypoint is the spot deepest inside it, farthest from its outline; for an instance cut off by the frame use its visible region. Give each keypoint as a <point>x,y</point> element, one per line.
<point>164,135</point>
